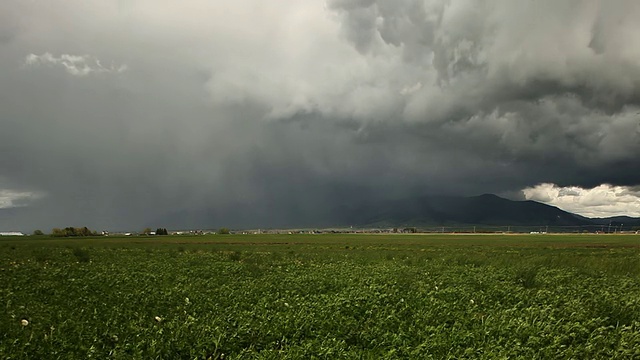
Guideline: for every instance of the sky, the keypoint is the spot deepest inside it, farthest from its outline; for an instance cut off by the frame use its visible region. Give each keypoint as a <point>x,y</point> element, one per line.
<point>122,114</point>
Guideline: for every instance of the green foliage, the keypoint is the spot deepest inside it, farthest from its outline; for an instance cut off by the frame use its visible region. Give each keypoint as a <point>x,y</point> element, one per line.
<point>81,255</point>
<point>41,255</point>
<point>72,232</point>
<point>303,296</point>
<point>38,233</point>
<point>224,231</point>
<point>162,231</point>
<point>526,276</point>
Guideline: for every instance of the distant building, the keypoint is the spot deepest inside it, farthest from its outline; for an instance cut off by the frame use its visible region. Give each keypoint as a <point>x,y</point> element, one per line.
<point>11,233</point>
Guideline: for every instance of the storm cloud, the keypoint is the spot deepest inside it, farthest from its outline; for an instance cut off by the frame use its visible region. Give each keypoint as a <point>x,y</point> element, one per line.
<point>124,114</point>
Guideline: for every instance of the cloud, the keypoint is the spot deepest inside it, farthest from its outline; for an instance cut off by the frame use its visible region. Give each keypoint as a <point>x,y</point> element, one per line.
<point>516,81</point>
<point>263,113</point>
<point>601,201</point>
<point>77,65</point>
<point>11,198</point>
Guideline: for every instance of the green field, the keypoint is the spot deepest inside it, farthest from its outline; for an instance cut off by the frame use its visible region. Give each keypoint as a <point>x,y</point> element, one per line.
<point>321,296</point>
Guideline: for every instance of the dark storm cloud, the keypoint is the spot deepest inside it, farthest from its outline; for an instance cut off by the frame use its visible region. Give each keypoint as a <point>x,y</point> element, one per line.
<point>131,113</point>
<point>525,82</point>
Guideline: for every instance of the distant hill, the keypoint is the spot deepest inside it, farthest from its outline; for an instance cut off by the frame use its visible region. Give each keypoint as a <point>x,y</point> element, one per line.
<point>617,221</point>
<point>485,209</point>
<point>424,211</point>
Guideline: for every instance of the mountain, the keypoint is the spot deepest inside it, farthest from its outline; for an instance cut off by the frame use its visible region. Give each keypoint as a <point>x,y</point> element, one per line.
<point>617,221</point>
<point>424,211</point>
<point>485,209</point>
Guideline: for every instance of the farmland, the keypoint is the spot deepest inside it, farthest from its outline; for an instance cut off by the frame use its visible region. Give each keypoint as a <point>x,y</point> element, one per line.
<point>321,296</point>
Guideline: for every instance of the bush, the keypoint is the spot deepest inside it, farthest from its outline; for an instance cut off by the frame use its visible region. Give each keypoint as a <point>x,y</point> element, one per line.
<point>42,256</point>
<point>81,255</point>
<point>526,277</point>
<point>72,231</point>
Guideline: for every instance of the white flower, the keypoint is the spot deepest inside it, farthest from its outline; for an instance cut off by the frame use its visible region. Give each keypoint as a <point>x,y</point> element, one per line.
<point>158,318</point>
<point>24,322</point>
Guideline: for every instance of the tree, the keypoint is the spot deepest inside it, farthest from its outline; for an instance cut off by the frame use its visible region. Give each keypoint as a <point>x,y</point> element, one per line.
<point>72,231</point>
<point>38,233</point>
<point>147,231</point>
<point>224,231</point>
<point>162,231</point>
<point>84,232</point>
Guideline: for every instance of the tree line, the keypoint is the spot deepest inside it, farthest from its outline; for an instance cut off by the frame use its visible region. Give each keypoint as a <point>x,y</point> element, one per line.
<point>71,231</point>
<point>85,231</point>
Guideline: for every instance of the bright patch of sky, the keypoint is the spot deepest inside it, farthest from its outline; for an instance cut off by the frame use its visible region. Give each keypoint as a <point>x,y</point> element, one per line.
<point>601,201</point>
<point>11,198</point>
<point>77,65</point>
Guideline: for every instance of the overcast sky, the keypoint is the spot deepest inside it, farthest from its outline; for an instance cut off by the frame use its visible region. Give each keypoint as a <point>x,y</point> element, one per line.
<point>124,113</point>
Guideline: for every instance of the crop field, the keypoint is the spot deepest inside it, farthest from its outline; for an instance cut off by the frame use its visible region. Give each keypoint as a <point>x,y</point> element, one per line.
<point>321,296</point>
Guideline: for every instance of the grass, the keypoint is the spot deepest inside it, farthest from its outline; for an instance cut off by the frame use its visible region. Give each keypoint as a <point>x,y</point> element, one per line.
<point>321,296</point>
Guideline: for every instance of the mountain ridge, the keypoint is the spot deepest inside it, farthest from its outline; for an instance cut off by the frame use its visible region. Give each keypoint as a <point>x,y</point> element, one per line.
<point>486,209</point>
<point>420,211</point>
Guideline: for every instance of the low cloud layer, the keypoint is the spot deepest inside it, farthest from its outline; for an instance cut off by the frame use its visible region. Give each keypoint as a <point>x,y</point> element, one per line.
<point>126,113</point>
<point>601,201</point>
<point>78,65</point>
<point>12,199</point>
